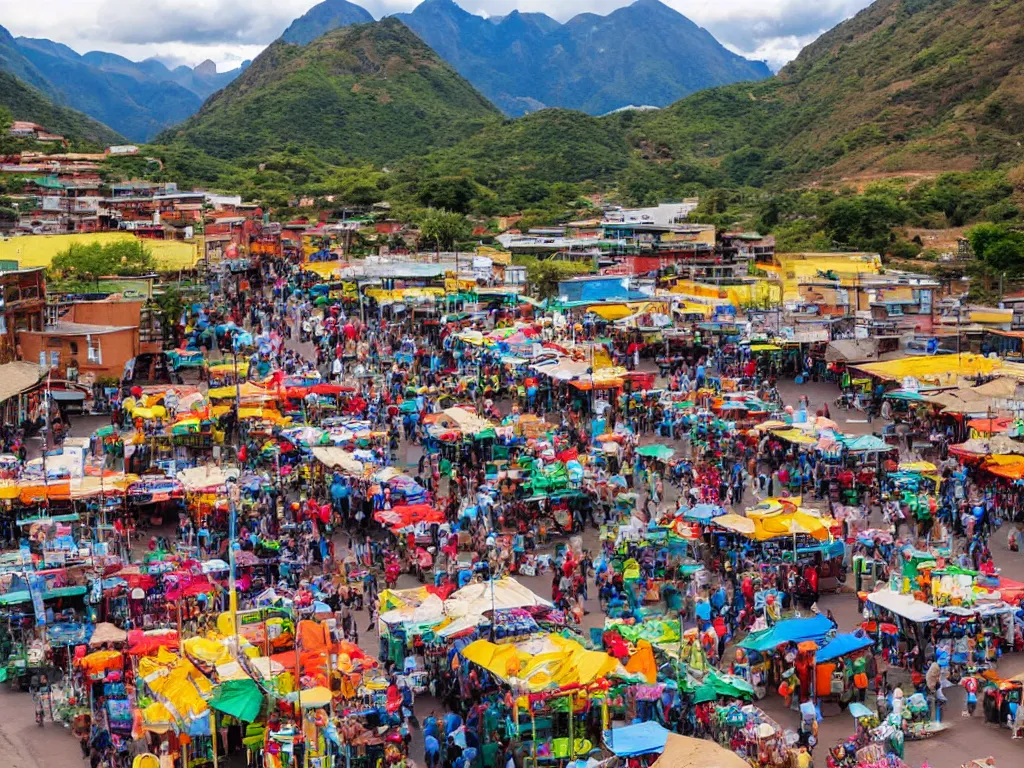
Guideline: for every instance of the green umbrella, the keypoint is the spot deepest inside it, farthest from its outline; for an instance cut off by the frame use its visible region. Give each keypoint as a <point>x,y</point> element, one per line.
<point>659,452</point>
<point>239,698</point>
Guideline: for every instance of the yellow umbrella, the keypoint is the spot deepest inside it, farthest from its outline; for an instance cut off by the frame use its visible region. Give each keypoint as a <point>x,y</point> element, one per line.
<point>316,697</point>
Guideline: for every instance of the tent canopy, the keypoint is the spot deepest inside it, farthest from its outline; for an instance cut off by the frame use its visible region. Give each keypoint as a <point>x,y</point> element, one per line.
<point>106,632</point>
<point>788,631</point>
<point>637,739</point>
<point>843,644</point>
<point>903,605</point>
<point>688,752</point>
<point>543,664</point>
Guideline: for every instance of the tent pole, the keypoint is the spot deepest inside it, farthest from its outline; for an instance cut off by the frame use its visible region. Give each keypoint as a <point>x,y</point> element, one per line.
<point>572,744</point>
<point>213,735</point>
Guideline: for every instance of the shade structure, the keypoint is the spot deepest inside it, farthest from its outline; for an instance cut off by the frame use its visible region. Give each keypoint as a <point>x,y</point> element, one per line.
<point>688,752</point>
<point>659,452</point>
<point>841,645</point>
<point>903,605</point>
<point>314,697</point>
<point>239,698</point>
<point>788,631</point>
<point>106,632</point>
<point>637,739</point>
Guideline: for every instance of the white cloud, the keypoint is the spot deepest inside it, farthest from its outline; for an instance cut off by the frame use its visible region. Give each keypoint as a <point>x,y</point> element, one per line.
<point>228,31</point>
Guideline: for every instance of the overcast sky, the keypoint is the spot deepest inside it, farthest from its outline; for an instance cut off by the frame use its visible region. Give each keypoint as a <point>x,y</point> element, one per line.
<point>229,31</point>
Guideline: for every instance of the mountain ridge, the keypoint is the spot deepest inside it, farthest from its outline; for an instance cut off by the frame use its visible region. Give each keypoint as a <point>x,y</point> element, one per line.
<point>136,99</point>
<point>527,61</point>
<point>27,103</point>
<point>375,91</point>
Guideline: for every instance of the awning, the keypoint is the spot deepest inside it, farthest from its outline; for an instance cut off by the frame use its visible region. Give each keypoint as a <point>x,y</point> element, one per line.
<point>903,605</point>
<point>638,739</point>
<point>688,752</point>
<point>841,645</point>
<point>18,377</point>
<point>788,631</point>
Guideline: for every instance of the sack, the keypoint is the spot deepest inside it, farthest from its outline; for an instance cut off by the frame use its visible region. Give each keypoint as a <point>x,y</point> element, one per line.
<point>860,680</point>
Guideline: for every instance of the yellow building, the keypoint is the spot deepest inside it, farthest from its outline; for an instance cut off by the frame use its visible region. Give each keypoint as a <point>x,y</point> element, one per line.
<point>38,250</point>
<point>792,269</point>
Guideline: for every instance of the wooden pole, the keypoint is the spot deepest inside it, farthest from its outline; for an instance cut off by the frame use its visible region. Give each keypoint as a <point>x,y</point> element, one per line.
<point>213,735</point>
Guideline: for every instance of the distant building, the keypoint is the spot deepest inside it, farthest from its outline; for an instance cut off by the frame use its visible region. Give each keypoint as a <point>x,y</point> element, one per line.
<point>123,150</point>
<point>666,214</point>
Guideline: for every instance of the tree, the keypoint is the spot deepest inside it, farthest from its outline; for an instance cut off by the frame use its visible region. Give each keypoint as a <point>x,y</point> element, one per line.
<point>544,276</point>
<point>92,261</point>
<point>171,304</point>
<point>443,229</point>
<point>453,193</point>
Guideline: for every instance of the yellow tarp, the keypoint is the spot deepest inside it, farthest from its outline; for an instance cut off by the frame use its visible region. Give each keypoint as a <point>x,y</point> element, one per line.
<point>619,311</point>
<point>207,651</point>
<point>383,295</point>
<point>918,466</point>
<point>932,369</point>
<point>774,525</point>
<point>326,269</point>
<point>222,369</point>
<point>561,662</point>
<point>796,436</point>
<point>177,684</point>
<point>247,389</point>
<point>267,414</point>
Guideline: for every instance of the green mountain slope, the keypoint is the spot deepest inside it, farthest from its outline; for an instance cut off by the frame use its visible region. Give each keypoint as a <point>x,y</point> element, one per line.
<point>904,85</point>
<point>369,92</point>
<point>26,103</point>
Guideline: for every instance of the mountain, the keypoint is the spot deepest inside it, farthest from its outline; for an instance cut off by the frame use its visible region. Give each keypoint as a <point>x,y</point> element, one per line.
<point>369,92</point>
<point>903,85</point>
<point>323,18</point>
<point>27,103</point>
<point>137,99</point>
<point>645,53</point>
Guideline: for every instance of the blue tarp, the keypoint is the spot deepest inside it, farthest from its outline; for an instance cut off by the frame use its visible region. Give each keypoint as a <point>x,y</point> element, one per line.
<point>864,444</point>
<point>788,631</point>
<point>702,513</point>
<point>637,739</point>
<point>841,645</point>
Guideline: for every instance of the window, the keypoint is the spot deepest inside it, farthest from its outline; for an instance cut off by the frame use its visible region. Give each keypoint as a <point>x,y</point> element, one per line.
<point>95,354</point>
<point>55,358</point>
<point>74,348</point>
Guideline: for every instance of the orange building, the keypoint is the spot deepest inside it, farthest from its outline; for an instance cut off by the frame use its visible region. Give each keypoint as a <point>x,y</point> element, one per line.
<point>98,336</point>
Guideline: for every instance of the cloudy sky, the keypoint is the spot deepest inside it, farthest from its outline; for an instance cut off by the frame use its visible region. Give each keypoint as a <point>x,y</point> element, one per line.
<point>229,31</point>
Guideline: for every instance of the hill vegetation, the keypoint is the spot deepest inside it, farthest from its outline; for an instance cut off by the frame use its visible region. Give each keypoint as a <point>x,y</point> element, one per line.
<point>19,101</point>
<point>372,92</point>
<point>136,99</point>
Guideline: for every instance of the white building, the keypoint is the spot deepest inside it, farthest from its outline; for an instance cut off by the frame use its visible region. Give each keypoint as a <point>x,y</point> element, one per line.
<point>664,215</point>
